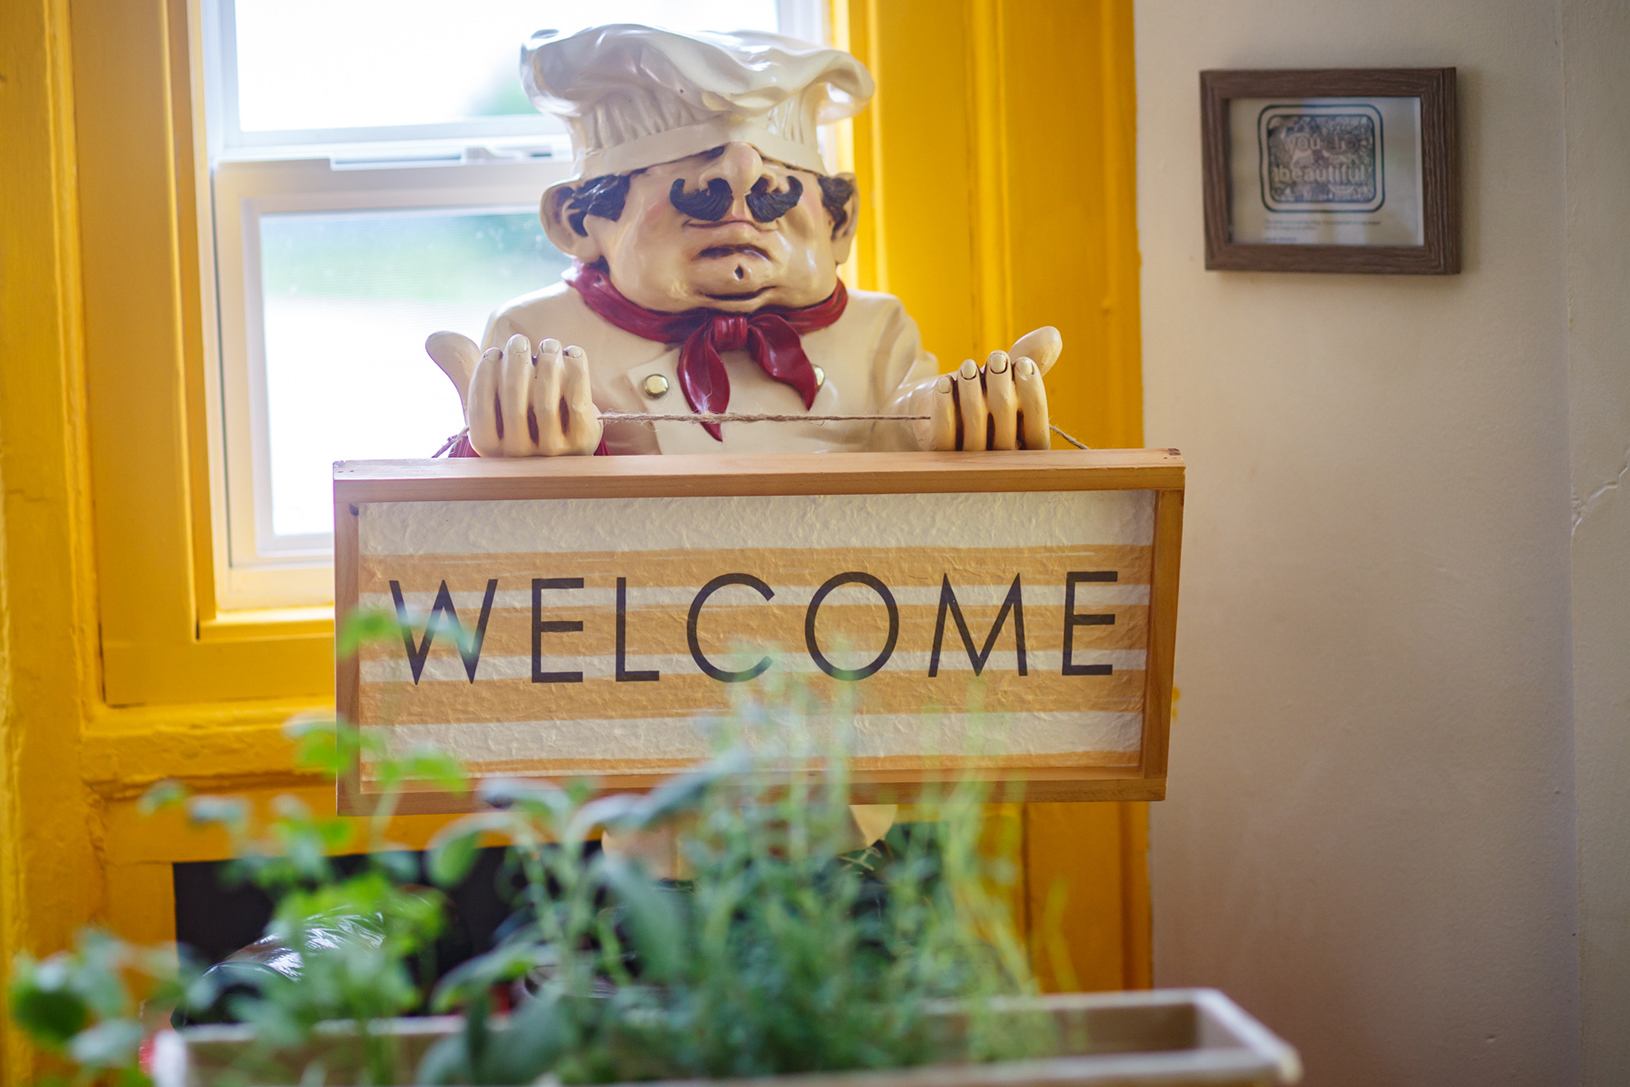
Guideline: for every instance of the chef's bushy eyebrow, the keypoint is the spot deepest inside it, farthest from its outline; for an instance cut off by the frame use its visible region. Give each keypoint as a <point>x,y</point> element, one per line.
<point>605,195</point>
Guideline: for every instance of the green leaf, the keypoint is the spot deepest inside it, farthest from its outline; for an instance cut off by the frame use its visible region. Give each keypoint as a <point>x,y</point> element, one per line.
<point>402,866</point>
<point>608,811</point>
<point>322,743</point>
<point>446,1063</point>
<point>365,626</point>
<point>291,809</point>
<point>656,917</point>
<point>133,1076</point>
<point>684,793</point>
<point>451,858</point>
<point>108,1044</point>
<point>539,798</point>
<point>504,963</point>
<point>540,1031</point>
<point>336,833</point>
<point>165,794</point>
<point>428,764</point>
<point>200,992</point>
<point>50,1016</point>
<point>231,812</point>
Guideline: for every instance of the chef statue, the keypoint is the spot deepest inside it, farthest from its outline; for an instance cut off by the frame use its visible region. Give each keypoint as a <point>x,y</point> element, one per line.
<point>706,237</point>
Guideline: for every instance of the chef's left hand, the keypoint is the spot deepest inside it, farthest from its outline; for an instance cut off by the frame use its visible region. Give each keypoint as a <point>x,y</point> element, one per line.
<point>1002,405</point>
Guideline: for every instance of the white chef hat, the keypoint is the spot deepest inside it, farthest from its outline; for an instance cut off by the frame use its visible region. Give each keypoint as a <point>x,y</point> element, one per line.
<point>634,96</point>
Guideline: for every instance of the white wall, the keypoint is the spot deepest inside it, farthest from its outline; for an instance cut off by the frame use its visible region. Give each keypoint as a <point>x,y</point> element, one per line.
<point>1369,837</point>
<point>1596,82</point>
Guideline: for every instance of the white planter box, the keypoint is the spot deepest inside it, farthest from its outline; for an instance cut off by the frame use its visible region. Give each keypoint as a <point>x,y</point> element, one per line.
<point>1164,1038</point>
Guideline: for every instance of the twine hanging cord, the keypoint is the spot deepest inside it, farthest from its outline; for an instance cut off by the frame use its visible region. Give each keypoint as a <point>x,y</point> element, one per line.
<point>744,417</point>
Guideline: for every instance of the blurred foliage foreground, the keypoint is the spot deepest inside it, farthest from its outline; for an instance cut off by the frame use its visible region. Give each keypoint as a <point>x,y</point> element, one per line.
<point>782,949</point>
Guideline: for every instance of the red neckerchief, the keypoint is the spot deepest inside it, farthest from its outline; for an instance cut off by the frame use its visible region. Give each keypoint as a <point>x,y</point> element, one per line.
<point>771,336</point>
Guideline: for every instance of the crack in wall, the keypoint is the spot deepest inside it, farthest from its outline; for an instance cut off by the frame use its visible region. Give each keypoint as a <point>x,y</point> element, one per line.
<point>1581,509</point>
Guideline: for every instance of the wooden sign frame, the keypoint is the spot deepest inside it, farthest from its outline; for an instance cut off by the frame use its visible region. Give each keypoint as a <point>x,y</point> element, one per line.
<point>1161,471</point>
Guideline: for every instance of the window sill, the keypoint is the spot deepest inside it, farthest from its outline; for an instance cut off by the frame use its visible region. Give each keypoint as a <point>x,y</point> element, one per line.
<point>258,623</point>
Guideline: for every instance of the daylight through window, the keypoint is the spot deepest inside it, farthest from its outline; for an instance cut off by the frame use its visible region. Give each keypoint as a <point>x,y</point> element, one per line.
<point>374,172</point>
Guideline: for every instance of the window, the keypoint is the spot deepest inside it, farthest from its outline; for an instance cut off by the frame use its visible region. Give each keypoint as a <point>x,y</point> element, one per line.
<point>374,172</point>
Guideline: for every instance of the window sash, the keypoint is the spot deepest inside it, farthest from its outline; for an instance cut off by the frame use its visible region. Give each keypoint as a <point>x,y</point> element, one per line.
<point>805,20</point>
<point>229,140</point>
<point>261,569</point>
<point>483,164</point>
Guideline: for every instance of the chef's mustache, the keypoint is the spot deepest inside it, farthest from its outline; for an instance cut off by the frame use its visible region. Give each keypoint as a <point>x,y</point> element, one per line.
<point>713,203</point>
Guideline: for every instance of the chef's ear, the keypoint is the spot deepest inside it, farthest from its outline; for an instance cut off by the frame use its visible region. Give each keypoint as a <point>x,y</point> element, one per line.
<point>557,216</point>
<point>843,235</point>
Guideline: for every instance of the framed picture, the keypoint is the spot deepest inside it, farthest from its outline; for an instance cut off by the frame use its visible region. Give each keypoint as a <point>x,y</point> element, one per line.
<point>1331,170</point>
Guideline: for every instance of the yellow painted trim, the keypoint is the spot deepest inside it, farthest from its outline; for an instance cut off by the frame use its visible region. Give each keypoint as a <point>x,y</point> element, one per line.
<point>49,879</point>
<point>1137,913</point>
<point>855,28</point>
<point>989,166</point>
<point>161,640</point>
<point>1002,144</point>
<point>183,26</point>
<point>265,623</point>
<point>1072,207</point>
<point>167,838</point>
<point>210,746</point>
<point>843,133</point>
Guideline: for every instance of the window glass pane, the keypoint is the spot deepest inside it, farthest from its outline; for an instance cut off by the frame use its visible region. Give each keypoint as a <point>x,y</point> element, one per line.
<point>315,64</point>
<point>349,300</point>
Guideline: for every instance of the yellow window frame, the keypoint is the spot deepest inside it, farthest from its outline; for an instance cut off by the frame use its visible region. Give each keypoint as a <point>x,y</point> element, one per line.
<point>986,108</point>
<point>163,640</point>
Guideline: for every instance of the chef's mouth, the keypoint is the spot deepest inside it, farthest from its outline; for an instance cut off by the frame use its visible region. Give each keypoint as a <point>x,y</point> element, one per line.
<point>745,296</point>
<point>715,252</point>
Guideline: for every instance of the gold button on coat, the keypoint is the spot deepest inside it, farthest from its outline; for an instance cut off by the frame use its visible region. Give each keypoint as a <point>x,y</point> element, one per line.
<point>820,376</point>
<point>655,385</point>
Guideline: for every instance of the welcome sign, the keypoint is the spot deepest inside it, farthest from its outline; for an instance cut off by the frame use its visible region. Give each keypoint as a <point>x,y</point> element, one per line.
<point>1006,614</point>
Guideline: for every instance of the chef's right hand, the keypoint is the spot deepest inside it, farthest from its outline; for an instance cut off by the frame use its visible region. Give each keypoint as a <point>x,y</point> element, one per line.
<point>518,404</point>
<point>1002,405</point>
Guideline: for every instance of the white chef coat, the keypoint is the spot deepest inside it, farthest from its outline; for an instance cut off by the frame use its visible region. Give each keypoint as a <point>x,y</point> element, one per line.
<point>872,357</point>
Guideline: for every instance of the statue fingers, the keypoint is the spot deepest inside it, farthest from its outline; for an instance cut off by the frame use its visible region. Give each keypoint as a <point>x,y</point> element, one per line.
<point>1032,395</point>
<point>970,395</point>
<point>580,419</point>
<point>1003,402</point>
<point>515,397</point>
<point>457,356</point>
<point>481,410</point>
<point>545,421</point>
<point>1042,347</point>
<point>944,414</point>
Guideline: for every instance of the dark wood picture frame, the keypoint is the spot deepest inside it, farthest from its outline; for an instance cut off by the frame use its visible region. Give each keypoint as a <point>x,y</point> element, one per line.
<point>1440,169</point>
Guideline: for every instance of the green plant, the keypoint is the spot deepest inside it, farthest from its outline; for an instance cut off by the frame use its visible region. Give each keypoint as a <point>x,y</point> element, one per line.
<point>783,950</point>
<point>79,1005</point>
<point>362,937</point>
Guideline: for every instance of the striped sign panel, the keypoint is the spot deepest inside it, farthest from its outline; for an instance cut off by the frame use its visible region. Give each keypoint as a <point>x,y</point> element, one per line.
<point>1001,628</point>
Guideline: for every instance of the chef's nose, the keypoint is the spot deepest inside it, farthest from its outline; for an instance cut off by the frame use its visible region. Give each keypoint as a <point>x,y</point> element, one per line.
<point>741,165</point>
